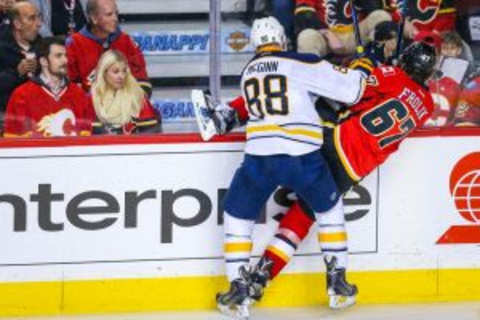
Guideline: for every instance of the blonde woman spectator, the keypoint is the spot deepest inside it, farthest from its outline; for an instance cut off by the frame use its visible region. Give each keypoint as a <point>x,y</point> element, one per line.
<point>119,105</point>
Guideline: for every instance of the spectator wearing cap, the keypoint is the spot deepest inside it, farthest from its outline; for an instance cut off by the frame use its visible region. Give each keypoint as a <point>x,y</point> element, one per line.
<point>17,57</point>
<point>102,32</point>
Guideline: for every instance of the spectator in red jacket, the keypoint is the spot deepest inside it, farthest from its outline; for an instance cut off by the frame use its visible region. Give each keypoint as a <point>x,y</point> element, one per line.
<point>425,15</point>
<point>446,88</point>
<point>467,113</point>
<point>48,104</point>
<point>118,104</point>
<point>102,32</point>
<point>325,26</point>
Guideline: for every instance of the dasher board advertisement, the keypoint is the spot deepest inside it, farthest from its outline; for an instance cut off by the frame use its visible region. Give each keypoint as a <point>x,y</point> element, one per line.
<point>139,203</point>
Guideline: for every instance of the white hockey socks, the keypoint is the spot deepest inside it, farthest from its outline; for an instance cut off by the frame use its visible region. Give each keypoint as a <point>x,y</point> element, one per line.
<point>237,244</point>
<point>332,234</point>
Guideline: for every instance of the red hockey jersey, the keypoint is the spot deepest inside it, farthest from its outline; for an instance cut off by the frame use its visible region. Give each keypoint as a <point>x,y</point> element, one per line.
<point>445,93</point>
<point>146,122</point>
<point>34,111</point>
<point>428,15</point>
<point>84,51</point>
<point>392,106</point>
<point>336,14</point>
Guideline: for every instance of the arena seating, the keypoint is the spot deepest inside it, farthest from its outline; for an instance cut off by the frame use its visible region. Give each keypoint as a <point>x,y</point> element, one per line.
<point>175,45</point>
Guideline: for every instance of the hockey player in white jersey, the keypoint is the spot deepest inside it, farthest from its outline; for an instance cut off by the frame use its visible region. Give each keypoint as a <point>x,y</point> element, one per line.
<point>284,137</point>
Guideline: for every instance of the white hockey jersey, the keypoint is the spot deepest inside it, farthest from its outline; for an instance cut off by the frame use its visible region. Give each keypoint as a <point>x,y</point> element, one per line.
<point>280,90</point>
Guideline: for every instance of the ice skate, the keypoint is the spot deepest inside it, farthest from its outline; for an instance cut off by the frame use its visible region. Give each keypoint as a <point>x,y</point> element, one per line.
<point>236,302</point>
<point>341,294</point>
<point>259,278</point>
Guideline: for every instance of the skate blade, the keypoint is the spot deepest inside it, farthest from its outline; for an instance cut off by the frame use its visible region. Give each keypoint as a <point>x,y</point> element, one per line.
<point>341,302</point>
<point>236,312</point>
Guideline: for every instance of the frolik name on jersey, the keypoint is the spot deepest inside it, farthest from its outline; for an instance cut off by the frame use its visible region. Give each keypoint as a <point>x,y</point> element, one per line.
<point>414,101</point>
<point>267,66</point>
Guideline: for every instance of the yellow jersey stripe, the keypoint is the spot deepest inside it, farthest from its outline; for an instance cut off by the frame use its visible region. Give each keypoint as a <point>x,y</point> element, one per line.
<point>146,123</point>
<point>332,237</point>
<point>447,10</point>
<point>341,155</point>
<point>273,127</point>
<point>279,253</point>
<point>361,64</point>
<point>238,247</point>
<point>342,28</point>
<point>12,135</point>
<point>304,9</point>
<point>145,84</point>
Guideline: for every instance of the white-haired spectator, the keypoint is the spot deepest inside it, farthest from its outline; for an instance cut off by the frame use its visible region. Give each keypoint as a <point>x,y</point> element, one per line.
<point>101,33</point>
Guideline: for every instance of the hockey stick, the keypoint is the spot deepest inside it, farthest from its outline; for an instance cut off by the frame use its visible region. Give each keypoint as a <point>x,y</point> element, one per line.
<point>358,39</point>
<point>403,6</point>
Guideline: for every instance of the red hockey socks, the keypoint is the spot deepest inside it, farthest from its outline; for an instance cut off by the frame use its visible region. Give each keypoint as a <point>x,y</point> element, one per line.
<point>293,228</point>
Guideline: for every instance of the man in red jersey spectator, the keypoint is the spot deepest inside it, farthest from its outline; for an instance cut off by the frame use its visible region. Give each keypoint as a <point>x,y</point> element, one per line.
<point>48,104</point>
<point>102,32</point>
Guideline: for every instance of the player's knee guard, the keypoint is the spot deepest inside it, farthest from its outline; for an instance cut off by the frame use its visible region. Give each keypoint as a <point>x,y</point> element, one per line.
<point>312,41</point>
<point>297,220</point>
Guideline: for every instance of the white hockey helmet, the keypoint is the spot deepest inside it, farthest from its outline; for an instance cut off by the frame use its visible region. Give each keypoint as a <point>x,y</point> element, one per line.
<point>267,31</point>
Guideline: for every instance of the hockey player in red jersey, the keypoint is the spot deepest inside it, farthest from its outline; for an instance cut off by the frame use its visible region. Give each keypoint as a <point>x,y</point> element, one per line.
<point>395,103</point>
<point>102,33</point>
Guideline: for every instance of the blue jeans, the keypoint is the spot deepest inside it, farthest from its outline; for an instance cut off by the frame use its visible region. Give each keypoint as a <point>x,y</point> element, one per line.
<point>283,11</point>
